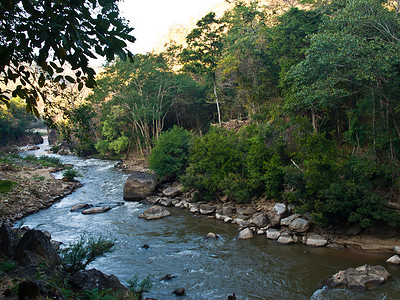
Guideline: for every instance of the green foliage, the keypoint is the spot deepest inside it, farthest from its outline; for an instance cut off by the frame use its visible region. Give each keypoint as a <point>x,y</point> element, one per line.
<point>77,256</point>
<point>169,156</point>
<point>239,165</point>
<point>6,186</point>
<point>14,122</point>
<point>50,35</point>
<point>48,161</point>
<point>71,174</point>
<point>139,287</point>
<point>7,265</point>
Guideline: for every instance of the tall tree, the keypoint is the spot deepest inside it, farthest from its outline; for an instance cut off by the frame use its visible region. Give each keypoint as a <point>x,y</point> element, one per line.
<point>40,39</point>
<point>203,50</point>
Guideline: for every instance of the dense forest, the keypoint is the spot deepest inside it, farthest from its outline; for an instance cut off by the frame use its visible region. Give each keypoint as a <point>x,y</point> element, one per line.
<point>318,87</point>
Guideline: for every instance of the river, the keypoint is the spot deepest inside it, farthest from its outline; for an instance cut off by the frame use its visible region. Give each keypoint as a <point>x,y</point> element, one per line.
<point>207,269</point>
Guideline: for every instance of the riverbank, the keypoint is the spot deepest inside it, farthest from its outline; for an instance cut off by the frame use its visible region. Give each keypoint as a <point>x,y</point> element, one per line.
<point>276,221</point>
<point>29,187</point>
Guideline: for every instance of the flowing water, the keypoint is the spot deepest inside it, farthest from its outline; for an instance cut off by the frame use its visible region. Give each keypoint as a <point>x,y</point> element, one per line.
<point>207,269</point>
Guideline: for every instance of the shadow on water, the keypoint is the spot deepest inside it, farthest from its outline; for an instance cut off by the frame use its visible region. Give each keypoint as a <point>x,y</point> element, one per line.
<point>206,268</point>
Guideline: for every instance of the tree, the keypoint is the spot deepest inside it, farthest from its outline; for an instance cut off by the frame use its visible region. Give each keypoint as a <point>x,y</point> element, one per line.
<point>203,50</point>
<point>41,39</point>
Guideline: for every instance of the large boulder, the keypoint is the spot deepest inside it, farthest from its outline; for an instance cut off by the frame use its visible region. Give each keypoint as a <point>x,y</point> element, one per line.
<point>286,221</point>
<point>35,248</point>
<point>273,234</point>
<point>285,238</point>
<point>95,280</point>
<point>316,240</point>
<point>206,209</point>
<point>363,277</point>
<point>276,214</point>
<point>299,225</point>
<point>96,210</point>
<point>172,191</point>
<point>8,241</point>
<point>259,220</point>
<point>80,206</point>
<point>139,185</point>
<point>245,213</point>
<point>155,212</point>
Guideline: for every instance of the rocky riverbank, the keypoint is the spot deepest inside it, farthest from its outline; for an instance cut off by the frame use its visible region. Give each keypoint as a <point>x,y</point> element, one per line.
<point>276,221</point>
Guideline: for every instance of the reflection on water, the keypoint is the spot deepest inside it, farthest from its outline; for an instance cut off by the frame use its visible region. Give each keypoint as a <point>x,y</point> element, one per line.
<point>207,269</point>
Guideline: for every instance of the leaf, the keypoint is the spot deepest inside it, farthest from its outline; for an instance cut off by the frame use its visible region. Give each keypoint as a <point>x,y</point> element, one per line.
<point>41,80</point>
<point>70,79</point>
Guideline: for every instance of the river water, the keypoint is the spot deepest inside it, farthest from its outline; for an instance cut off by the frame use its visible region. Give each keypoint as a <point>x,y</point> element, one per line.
<point>207,269</point>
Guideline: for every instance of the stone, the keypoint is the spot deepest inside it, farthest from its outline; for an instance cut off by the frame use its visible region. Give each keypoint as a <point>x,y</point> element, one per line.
<point>299,225</point>
<point>224,198</point>
<point>172,191</point>
<point>179,292</point>
<point>8,241</point>
<point>246,234</point>
<point>212,235</point>
<point>279,208</point>
<point>206,209</point>
<point>95,280</point>
<point>243,223</point>
<point>273,234</point>
<point>245,213</point>
<point>395,259</point>
<point>397,249</point>
<point>227,211</point>
<point>166,202</point>
<point>285,238</point>
<point>259,220</point>
<point>37,290</point>
<point>194,209</point>
<point>145,246</point>
<point>219,217</point>
<point>35,248</point>
<point>80,206</point>
<point>260,232</point>
<point>153,200</point>
<point>168,277</point>
<point>155,212</point>
<point>228,220</point>
<point>139,185</point>
<point>363,277</point>
<point>316,240</point>
<point>286,221</point>
<point>96,210</point>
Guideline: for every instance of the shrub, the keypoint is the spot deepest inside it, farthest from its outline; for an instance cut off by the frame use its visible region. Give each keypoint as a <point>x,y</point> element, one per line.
<point>49,161</point>
<point>139,287</point>
<point>6,186</point>
<point>78,255</point>
<point>71,174</point>
<point>169,156</point>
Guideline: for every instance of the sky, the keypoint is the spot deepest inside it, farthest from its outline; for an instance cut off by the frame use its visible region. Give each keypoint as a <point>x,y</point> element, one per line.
<point>153,18</point>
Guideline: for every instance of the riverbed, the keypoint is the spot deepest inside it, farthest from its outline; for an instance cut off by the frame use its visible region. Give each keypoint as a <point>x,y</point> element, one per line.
<point>206,268</point>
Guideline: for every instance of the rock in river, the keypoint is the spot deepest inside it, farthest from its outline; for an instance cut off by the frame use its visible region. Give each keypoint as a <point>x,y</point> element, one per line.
<point>80,206</point>
<point>154,212</point>
<point>363,277</point>
<point>246,234</point>
<point>395,259</point>
<point>96,210</point>
<point>139,185</point>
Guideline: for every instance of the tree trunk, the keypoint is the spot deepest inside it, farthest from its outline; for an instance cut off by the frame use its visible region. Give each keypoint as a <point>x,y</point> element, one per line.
<point>216,99</point>
<point>314,120</point>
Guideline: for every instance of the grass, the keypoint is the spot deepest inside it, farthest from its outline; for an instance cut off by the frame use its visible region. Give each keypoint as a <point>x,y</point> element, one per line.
<point>6,186</point>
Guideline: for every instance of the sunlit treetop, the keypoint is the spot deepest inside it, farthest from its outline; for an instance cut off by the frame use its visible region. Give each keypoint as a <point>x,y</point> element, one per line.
<point>40,39</point>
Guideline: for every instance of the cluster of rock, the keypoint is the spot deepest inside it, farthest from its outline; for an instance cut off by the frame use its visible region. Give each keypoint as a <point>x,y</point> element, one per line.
<point>277,223</point>
<point>35,254</point>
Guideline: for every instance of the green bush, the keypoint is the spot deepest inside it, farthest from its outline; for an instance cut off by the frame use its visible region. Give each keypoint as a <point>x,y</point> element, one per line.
<point>139,287</point>
<point>6,186</point>
<point>77,256</point>
<point>169,156</point>
<point>49,161</point>
<point>71,174</point>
